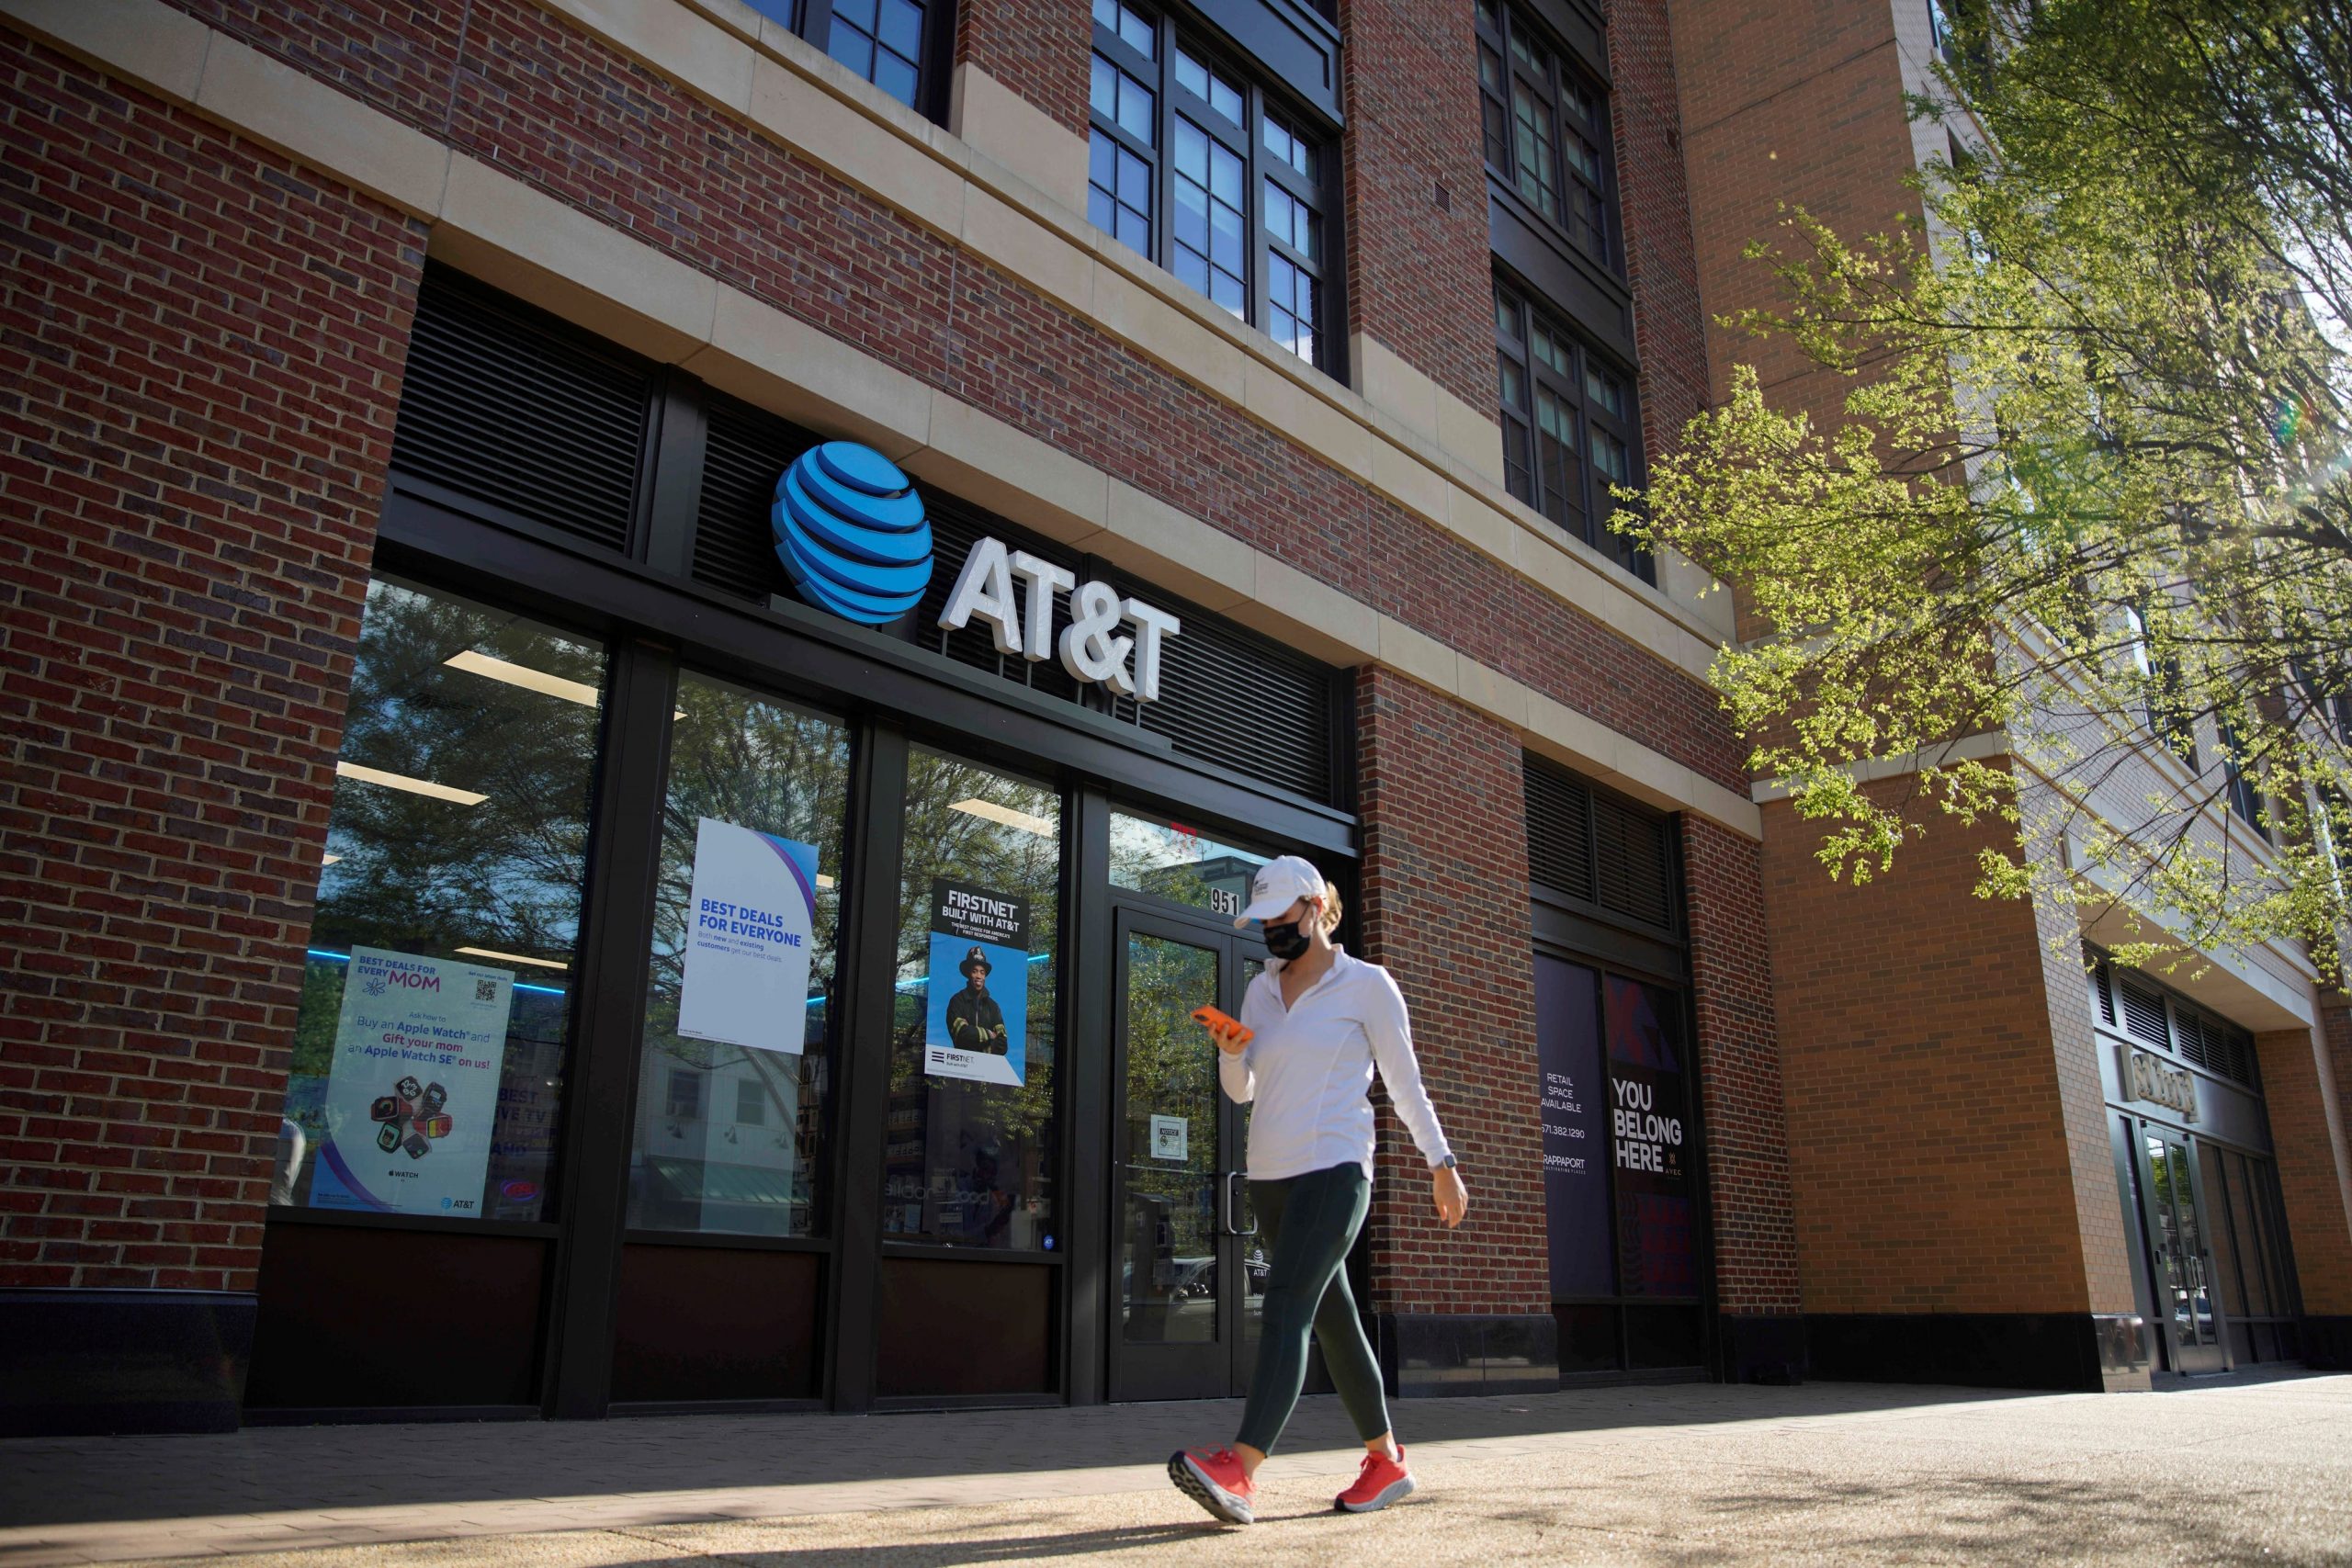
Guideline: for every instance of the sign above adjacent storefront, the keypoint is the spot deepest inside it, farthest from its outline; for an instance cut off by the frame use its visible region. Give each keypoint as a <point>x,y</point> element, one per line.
<point>2154,1079</point>
<point>1090,646</point>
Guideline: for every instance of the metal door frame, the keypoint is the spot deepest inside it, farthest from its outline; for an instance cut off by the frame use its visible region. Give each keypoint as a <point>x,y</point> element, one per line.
<point>1212,1370</point>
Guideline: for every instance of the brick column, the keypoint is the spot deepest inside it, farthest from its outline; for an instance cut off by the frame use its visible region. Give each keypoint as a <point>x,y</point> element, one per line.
<point>1751,1211</point>
<point>2303,1084</point>
<point>1420,272</point>
<point>1443,904</point>
<point>203,346</point>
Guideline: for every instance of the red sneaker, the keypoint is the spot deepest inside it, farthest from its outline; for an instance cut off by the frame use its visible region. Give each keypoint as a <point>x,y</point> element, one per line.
<point>1382,1481</point>
<point>1213,1478</point>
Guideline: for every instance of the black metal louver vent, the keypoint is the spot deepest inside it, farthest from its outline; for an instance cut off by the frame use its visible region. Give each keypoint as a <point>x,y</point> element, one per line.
<point>2103,994</point>
<point>1629,859</point>
<point>1559,832</point>
<point>1229,698</point>
<point>499,407</point>
<point>2143,1014</point>
<point>745,454</point>
<point>2188,1037</point>
<point>1595,849</point>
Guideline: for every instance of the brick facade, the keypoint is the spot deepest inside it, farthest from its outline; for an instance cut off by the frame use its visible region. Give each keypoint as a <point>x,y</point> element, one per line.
<point>1419,275</point>
<point>1445,905</point>
<point>1038,48</point>
<point>1661,261</point>
<point>1751,1209</point>
<point>211,342</point>
<point>1927,1143</point>
<point>2302,1079</point>
<point>204,347</point>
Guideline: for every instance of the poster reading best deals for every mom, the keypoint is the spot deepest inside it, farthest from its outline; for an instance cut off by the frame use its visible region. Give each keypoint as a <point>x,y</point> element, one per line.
<point>751,925</point>
<point>976,1017</point>
<point>413,1089</point>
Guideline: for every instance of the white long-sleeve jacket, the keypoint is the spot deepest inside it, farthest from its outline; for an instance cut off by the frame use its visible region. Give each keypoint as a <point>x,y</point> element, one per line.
<point>1308,1069</point>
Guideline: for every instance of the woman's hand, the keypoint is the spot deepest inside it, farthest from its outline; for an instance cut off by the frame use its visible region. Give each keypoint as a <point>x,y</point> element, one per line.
<point>1230,1037</point>
<point>1452,1198</point>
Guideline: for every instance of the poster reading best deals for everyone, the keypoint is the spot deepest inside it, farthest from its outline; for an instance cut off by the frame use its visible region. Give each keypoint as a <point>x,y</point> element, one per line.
<point>414,1090</point>
<point>749,930</point>
<point>976,1022</point>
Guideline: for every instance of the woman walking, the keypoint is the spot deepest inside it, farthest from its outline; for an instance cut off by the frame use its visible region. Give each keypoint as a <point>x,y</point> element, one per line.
<point>1314,1027</point>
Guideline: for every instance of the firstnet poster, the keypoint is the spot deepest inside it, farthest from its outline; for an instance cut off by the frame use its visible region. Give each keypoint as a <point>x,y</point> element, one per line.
<point>976,1018</point>
<point>414,1090</point>
<point>749,928</point>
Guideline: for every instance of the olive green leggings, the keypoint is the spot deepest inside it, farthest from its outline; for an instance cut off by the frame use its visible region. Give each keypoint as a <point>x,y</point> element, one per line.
<point>1309,1221</point>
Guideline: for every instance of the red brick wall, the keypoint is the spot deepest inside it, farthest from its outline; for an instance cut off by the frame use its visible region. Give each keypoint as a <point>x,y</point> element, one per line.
<point>202,347</point>
<point>1752,1214</point>
<point>2311,1182</point>
<point>1928,1138</point>
<point>1443,904</point>
<point>1038,48</point>
<point>1794,103</point>
<point>1670,327</point>
<point>629,147</point>
<point>1421,277</point>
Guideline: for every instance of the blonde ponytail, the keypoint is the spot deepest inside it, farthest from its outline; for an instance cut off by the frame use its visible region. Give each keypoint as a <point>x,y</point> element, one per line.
<point>1330,909</point>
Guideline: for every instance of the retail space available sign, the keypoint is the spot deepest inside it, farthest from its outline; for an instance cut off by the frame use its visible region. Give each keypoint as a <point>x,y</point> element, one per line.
<point>976,1016</point>
<point>1108,640</point>
<point>751,923</point>
<point>1569,1089</point>
<point>413,1089</point>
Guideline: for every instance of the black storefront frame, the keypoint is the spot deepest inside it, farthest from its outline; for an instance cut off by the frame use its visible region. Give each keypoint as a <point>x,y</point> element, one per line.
<point>1576,931</point>
<point>655,626</point>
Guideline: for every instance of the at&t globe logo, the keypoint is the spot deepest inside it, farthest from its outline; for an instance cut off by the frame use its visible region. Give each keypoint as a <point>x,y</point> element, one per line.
<point>850,529</point>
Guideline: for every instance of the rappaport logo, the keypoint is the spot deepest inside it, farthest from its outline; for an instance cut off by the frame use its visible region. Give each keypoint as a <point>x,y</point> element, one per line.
<point>850,530</point>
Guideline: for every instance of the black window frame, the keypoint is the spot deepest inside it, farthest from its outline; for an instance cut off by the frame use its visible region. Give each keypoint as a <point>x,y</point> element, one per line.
<point>1317,189</point>
<point>1583,515</point>
<point>812,20</point>
<point>1509,41</point>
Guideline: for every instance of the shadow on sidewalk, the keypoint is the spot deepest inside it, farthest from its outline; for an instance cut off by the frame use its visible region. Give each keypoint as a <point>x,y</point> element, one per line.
<point>275,1470</point>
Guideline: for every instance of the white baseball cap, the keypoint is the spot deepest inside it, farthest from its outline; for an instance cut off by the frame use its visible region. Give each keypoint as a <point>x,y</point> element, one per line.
<point>1279,884</point>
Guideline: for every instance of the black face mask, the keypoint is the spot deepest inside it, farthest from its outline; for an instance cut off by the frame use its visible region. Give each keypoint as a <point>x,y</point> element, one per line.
<point>1286,941</point>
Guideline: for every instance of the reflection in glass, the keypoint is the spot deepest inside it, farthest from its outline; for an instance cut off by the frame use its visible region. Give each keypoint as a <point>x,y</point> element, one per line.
<point>459,832</point>
<point>1174,862</point>
<point>968,1162</point>
<point>1168,1232</point>
<point>727,1138</point>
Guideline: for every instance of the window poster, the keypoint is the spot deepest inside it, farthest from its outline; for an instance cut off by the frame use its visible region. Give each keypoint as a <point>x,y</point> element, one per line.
<point>1649,1131</point>
<point>976,1019</point>
<point>413,1091</point>
<point>1570,1092</point>
<point>752,921</point>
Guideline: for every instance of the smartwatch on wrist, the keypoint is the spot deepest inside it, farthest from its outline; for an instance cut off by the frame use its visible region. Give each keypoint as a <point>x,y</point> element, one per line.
<point>1448,1163</point>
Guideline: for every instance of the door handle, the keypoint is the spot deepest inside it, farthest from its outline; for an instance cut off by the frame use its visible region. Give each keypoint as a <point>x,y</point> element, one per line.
<point>1228,1209</point>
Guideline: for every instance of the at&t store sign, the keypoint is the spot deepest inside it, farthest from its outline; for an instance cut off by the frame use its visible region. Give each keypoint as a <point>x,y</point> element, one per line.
<point>852,534</point>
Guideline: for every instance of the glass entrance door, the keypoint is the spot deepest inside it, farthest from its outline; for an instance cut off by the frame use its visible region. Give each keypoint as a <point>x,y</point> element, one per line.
<point>1183,1261</point>
<point>2180,1258</point>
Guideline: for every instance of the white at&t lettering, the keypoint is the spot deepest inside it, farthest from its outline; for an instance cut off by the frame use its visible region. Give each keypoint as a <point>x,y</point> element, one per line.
<point>1092,647</point>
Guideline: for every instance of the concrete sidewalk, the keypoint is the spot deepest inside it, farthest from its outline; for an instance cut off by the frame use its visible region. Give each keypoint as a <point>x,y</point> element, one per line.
<point>2229,1471</point>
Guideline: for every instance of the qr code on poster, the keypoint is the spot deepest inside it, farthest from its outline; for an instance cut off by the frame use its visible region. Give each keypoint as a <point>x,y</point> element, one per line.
<point>485,990</point>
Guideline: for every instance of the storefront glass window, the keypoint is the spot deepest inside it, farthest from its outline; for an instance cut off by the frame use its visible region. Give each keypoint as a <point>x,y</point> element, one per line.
<point>1649,1122</point>
<point>429,1051</point>
<point>1174,861</point>
<point>733,1114</point>
<point>1570,1091</point>
<point>971,1133</point>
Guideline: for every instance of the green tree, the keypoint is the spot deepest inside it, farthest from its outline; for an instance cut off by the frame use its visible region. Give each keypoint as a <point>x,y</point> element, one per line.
<point>2088,489</point>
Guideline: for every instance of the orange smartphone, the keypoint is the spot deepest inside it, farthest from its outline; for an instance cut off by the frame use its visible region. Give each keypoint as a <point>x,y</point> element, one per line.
<point>1211,1018</point>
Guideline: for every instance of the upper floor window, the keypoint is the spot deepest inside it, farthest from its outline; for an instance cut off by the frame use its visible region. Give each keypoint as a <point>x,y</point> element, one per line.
<point>1570,427</point>
<point>1546,129</point>
<point>888,42</point>
<point>1191,164</point>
